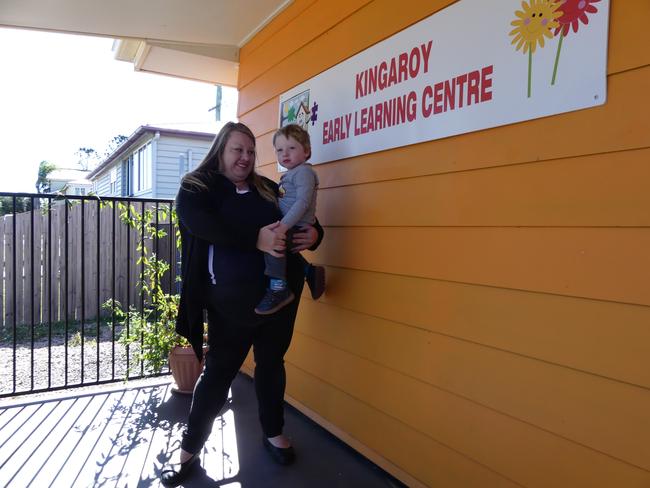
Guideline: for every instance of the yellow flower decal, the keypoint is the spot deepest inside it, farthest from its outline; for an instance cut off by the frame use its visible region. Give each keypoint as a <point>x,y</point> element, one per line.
<point>536,21</point>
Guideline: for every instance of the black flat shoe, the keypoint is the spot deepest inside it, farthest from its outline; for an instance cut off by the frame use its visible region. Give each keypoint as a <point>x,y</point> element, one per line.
<point>281,455</point>
<point>172,477</point>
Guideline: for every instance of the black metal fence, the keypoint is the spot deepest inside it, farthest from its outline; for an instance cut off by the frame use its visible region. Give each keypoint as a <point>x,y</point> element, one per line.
<point>66,263</point>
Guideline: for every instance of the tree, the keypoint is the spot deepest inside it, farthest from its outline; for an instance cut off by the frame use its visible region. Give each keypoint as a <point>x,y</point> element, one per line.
<point>42,183</point>
<point>114,143</point>
<point>89,158</point>
<point>23,204</point>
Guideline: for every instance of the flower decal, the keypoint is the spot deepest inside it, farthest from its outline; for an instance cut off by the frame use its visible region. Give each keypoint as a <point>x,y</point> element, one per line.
<point>535,22</point>
<point>573,12</point>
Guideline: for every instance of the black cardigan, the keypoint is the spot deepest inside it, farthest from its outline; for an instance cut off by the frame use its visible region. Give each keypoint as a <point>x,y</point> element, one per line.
<point>200,225</point>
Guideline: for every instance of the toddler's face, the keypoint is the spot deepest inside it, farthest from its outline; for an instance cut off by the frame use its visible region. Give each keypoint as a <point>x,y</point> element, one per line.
<point>290,152</point>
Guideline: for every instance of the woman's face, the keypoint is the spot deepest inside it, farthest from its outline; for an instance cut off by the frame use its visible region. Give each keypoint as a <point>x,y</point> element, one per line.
<point>238,157</point>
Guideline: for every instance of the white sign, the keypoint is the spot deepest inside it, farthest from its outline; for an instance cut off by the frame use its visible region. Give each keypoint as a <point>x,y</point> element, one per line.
<point>474,65</point>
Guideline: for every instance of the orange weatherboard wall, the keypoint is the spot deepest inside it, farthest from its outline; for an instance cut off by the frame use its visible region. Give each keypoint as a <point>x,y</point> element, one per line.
<point>487,317</point>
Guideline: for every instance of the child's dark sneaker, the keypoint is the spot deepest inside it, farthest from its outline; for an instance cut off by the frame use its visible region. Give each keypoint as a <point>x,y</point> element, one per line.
<point>316,280</point>
<point>273,301</point>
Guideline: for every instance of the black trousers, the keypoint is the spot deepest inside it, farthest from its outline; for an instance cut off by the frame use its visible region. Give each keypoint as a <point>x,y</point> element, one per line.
<point>233,327</point>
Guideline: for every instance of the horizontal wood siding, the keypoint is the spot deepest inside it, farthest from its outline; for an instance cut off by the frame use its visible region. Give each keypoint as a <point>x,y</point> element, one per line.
<point>103,183</point>
<point>169,150</point>
<point>120,187</point>
<point>487,314</point>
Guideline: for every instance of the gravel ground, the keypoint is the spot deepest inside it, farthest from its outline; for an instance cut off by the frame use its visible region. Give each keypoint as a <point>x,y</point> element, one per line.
<point>57,354</point>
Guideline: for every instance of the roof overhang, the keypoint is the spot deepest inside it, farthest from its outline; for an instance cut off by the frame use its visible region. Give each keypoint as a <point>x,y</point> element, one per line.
<point>218,64</point>
<point>194,39</point>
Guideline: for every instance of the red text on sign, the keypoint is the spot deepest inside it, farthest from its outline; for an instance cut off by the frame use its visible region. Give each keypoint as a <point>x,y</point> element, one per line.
<point>463,90</point>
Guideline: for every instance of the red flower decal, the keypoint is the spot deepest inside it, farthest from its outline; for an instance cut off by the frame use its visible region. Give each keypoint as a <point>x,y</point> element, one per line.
<point>572,12</point>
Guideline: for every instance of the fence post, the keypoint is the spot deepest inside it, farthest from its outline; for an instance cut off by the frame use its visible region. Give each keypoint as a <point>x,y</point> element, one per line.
<point>9,269</point>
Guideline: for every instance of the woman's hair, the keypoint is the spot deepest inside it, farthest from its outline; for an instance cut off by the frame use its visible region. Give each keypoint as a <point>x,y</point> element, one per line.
<point>298,133</point>
<point>211,164</point>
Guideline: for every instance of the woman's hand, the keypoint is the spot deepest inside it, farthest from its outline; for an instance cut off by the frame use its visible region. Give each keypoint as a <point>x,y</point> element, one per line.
<point>304,239</point>
<point>271,242</point>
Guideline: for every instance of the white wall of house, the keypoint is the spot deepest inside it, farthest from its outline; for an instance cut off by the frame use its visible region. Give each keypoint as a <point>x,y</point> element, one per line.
<point>171,156</point>
<point>174,157</point>
<point>101,184</point>
<point>68,181</point>
<point>113,180</point>
<point>56,185</point>
<point>76,189</point>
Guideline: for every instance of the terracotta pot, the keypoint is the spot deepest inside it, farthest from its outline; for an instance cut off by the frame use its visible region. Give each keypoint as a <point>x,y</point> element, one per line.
<point>185,368</point>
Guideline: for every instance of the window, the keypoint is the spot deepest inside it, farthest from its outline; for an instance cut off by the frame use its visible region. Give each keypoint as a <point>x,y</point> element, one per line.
<point>144,161</point>
<point>127,178</point>
<point>141,169</point>
<point>135,174</point>
<point>113,181</point>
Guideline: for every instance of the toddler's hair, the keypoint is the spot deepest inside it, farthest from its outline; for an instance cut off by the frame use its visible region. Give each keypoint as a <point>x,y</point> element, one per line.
<point>298,133</point>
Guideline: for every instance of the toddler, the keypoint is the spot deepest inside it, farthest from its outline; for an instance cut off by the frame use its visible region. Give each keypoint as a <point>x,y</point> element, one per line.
<point>298,206</point>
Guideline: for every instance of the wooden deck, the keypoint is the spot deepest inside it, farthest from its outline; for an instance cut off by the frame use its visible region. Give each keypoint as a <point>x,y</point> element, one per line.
<point>121,436</point>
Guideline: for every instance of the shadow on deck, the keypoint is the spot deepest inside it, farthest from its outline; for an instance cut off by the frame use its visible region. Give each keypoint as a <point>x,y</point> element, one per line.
<point>122,436</point>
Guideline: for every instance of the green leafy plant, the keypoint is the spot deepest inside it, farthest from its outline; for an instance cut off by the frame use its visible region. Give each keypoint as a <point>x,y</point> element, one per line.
<point>152,329</point>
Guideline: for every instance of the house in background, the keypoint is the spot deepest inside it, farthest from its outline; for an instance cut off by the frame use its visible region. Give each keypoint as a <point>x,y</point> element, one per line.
<point>150,163</point>
<point>69,181</point>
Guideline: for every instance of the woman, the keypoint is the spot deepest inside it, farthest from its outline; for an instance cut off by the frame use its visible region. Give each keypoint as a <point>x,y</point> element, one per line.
<point>227,216</point>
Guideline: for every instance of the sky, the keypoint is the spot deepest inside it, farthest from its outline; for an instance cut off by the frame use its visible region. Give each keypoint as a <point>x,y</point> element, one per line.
<point>60,92</point>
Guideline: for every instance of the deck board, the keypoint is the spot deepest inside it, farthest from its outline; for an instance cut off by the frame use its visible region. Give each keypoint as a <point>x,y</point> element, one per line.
<point>122,435</point>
